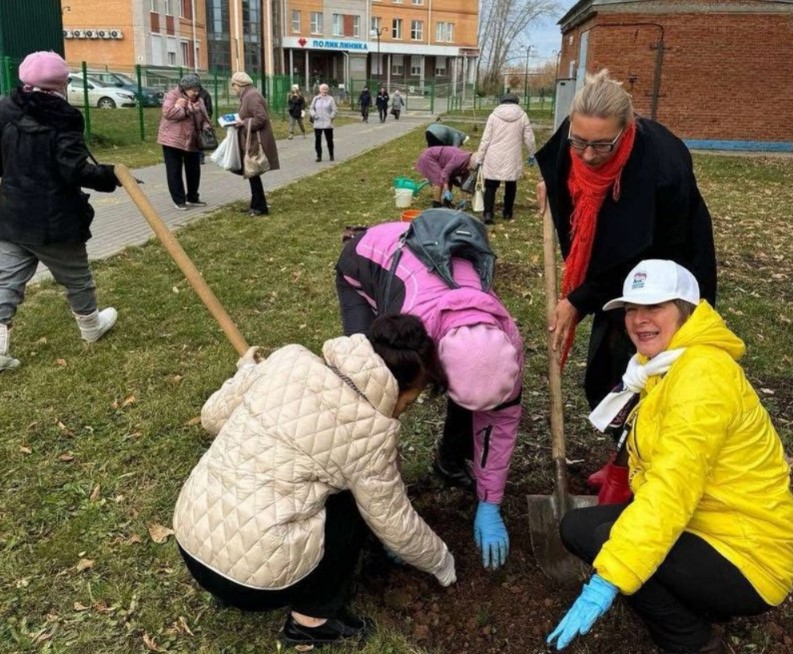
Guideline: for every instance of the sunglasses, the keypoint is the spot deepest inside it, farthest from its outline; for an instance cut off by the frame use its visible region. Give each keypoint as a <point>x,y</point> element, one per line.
<point>601,147</point>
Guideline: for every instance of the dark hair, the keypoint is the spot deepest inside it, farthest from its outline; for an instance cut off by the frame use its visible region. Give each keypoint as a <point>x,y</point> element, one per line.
<point>510,98</point>
<point>408,351</point>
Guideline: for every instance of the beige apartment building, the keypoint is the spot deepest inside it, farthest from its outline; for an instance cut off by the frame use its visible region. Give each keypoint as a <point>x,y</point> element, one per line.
<point>407,43</point>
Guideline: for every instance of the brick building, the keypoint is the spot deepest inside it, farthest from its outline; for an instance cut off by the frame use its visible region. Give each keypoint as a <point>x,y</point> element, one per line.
<point>716,72</point>
<point>397,42</point>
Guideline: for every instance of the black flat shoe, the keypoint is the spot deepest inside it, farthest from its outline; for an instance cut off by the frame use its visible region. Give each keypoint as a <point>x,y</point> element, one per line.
<point>258,212</point>
<point>346,627</point>
<point>454,473</point>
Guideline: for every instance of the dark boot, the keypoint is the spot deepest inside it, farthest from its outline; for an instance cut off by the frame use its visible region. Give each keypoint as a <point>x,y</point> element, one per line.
<point>454,472</point>
<point>436,204</point>
<point>345,627</point>
<point>488,218</point>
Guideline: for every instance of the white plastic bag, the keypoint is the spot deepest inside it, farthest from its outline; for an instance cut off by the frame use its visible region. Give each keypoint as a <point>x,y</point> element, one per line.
<point>478,203</point>
<point>227,155</point>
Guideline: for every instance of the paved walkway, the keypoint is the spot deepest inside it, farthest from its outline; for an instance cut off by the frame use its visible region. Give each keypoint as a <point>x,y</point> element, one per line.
<point>119,224</point>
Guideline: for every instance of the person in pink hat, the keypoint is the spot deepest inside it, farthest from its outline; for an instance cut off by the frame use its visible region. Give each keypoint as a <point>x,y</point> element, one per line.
<point>44,214</point>
<point>479,347</point>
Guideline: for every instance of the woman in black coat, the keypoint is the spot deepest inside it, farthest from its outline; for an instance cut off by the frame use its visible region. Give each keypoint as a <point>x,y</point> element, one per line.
<point>636,198</point>
<point>44,215</point>
<point>382,103</point>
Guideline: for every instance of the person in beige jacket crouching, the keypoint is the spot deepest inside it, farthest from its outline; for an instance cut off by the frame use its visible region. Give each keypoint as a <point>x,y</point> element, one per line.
<point>304,460</point>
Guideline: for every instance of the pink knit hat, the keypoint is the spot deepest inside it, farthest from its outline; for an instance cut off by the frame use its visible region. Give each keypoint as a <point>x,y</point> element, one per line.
<point>46,70</point>
<point>481,364</point>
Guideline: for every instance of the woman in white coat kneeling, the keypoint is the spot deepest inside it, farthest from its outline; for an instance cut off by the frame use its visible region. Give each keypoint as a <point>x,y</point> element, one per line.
<point>304,461</point>
<point>501,153</point>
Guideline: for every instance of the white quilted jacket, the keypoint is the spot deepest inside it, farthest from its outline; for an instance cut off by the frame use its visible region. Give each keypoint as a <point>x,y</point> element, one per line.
<point>290,431</point>
<point>501,148</point>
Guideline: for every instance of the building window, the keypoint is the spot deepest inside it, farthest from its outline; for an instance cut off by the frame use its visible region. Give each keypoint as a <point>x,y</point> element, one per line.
<point>418,2</point>
<point>440,66</point>
<point>156,50</point>
<point>356,26</point>
<point>169,7</point>
<point>338,25</point>
<point>397,2</point>
<point>375,24</point>
<point>417,30</point>
<point>171,53</point>
<point>396,28</point>
<point>415,65</point>
<point>397,66</point>
<point>317,22</point>
<point>154,6</point>
<point>444,32</point>
<point>185,53</point>
<point>296,21</point>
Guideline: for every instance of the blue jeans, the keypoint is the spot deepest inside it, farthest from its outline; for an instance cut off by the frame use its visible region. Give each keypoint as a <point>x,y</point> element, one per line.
<point>68,263</point>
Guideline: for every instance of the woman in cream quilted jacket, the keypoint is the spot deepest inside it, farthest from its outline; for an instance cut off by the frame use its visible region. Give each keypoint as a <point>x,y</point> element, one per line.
<point>304,460</point>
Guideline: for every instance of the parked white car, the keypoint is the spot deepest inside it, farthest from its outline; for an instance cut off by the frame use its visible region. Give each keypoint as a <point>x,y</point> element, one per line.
<point>99,94</point>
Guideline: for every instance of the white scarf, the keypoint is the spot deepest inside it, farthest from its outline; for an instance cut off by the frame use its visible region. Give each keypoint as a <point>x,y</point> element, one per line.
<point>633,381</point>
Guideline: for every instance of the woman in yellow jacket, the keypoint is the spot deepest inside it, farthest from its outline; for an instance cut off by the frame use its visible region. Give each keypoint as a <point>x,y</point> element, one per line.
<point>709,533</point>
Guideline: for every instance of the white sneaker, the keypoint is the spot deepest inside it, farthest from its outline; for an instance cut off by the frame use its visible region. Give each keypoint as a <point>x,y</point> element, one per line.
<point>181,207</point>
<point>6,362</point>
<point>94,325</point>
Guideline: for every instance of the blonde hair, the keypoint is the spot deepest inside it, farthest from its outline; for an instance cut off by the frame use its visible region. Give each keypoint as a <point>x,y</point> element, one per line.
<point>603,97</point>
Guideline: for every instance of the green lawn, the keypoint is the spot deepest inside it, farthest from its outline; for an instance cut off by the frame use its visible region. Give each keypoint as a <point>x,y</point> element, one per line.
<point>97,440</point>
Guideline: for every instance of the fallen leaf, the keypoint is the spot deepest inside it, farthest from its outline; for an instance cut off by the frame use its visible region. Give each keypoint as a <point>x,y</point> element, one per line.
<point>42,341</point>
<point>134,539</point>
<point>85,564</point>
<point>129,400</point>
<point>767,391</point>
<point>150,644</point>
<point>95,493</point>
<point>80,607</point>
<point>61,362</point>
<point>193,421</point>
<point>64,428</point>
<point>159,533</point>
<point>25,450</point>
<point>185,628</point>
<point>66,457</point>
<point>175,289</point>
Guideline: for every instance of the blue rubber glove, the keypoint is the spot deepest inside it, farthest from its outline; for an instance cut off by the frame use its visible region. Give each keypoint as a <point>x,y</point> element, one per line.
<point>490,535</point>
<point>531,161</point>
<point>595,599</point>
<point>447,195</point>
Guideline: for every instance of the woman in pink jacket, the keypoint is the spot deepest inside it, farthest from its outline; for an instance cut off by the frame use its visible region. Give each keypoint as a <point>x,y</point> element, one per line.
<point>500,153</point>
<point>183,117</point>
<point>444,166</point>
<point>480,349</point>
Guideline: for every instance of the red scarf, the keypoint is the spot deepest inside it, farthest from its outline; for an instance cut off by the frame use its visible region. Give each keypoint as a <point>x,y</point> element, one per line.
<point>588,188</point>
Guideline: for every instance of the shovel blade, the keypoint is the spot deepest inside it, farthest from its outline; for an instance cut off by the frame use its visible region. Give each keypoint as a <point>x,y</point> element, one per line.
<point>545,514</point>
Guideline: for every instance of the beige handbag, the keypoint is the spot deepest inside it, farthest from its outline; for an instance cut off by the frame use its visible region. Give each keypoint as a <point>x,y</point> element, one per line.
<point>254,164</point>
<point>478,203</point>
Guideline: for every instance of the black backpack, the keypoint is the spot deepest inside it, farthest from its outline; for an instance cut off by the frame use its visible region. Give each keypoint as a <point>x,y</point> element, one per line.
<point>437,235</point>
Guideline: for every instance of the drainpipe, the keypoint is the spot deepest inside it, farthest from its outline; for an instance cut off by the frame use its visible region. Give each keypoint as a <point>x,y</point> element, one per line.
<point>237,36</point>
<point>346,71</point>
<point>268,39</point>
<point>195,38</point>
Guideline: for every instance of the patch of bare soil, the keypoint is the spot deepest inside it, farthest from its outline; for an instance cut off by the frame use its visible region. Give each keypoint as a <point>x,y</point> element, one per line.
<point>513,609</point>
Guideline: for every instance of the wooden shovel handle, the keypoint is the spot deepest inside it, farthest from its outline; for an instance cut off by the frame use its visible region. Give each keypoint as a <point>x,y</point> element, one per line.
<point>182,260</point>
<point>554,366</point>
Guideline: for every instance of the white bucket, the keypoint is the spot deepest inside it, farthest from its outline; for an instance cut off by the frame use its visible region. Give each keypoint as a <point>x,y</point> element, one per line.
<point>403,197</point>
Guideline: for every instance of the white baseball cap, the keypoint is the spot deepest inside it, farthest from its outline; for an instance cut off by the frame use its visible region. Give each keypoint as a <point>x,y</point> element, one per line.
<point>654,281</point>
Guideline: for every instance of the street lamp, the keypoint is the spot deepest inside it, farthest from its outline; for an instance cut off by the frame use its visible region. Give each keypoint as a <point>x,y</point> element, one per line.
<point>377,31</point>
<point>526,83</point>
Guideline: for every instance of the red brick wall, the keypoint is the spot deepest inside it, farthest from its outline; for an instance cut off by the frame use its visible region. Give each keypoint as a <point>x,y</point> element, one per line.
<point>723,77</point>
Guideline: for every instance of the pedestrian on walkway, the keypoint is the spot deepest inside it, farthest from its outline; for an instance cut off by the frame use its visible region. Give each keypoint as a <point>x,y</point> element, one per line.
<point>255,118</point>
<point>183,117</point>
<point>322,112</point>
<point>365,101</point>
<point>382,103</point>
<point>277,511</point>
<point>296,104</point>
<point>500,153</point>
<point>397,104</point>
<point>44,215</point>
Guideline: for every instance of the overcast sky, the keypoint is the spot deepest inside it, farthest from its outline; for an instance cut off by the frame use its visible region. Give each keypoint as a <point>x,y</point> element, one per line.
<point>546,37</point>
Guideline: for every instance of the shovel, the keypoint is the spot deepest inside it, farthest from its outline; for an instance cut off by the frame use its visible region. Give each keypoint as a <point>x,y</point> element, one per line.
<point>192,274</point>
<point>546,511</point>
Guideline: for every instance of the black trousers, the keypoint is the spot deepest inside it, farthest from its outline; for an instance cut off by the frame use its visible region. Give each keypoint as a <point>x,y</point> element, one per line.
<point>175,161</point>
<point>321,594</point>
<point>365,113</point>
<point>396,113</point>
<point>692,587</point>
<point>510,191</point>
<point>383,111</point>
<point>258,198</point>
<point>318,140</point>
